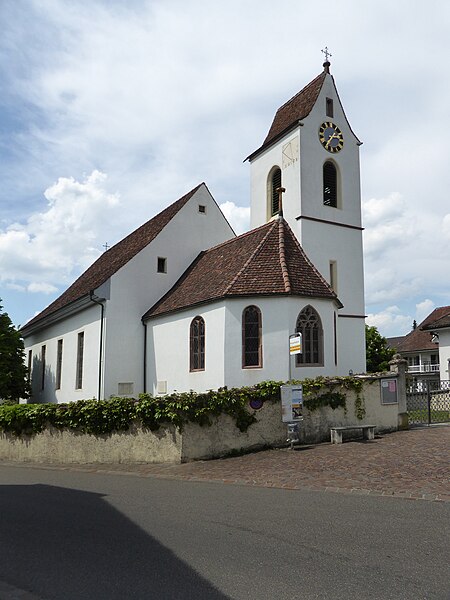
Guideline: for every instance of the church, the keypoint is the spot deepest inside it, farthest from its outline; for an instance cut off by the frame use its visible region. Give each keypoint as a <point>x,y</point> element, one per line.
<point>182,303</point>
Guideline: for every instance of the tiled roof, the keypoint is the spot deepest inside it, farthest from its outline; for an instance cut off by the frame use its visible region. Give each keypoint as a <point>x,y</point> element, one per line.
<point>113,259</point>
<point>394,342</point>
<point>263,262</point>
<point>440,321</point>
<point>420,338</point>
<point>295,109</point>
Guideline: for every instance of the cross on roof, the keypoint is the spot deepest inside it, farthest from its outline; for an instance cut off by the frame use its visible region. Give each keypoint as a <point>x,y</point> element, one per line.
<point>327,53</point>
<point>105,246</point>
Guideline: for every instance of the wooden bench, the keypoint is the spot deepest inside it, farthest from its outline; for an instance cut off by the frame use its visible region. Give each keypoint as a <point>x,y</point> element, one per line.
<point>368,432</point>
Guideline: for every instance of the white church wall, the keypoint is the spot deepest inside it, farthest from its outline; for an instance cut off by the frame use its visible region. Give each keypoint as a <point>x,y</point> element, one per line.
<point>279,316</point>
<point>138,285</point>
<point>168,344</point>
<point>67,330</point>
<point>168,338</point>
<point>290,180</point>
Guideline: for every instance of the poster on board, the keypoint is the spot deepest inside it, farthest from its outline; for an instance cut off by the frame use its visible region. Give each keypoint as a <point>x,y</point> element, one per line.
<point>291,403</point>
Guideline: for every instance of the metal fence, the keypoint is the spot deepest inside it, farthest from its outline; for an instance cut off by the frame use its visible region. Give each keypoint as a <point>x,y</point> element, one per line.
<point>428,402</point>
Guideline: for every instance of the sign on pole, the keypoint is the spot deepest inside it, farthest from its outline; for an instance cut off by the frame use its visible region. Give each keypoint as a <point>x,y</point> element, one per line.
<point>295,343</point>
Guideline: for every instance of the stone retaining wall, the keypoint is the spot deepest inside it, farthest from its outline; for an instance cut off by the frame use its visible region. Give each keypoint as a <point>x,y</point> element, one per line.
<point>221,438</point>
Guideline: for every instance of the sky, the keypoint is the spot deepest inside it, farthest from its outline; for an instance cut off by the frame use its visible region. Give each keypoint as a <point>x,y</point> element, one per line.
<point>110,110</point>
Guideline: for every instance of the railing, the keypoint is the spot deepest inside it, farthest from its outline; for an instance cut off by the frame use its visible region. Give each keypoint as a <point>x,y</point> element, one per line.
<point>424,368</point>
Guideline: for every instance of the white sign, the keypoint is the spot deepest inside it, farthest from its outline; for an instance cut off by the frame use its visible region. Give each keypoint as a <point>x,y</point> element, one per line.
<point>295,344</point>
<point>291,403</point>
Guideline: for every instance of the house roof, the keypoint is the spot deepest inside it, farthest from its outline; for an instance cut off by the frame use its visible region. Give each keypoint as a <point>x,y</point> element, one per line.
<point>394,342</point>
<point>113,259</point>
<point>295,109</point>
<point>266,261</point>
<point>421,337</point>
<point>440,321</point>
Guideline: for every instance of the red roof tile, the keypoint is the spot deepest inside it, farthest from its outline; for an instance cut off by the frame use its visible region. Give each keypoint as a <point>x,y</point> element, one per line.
<point>263,262</point>
<point>440,321</point>
<point>113,259</point>
<point>295,109</point>
<point>420,338</point>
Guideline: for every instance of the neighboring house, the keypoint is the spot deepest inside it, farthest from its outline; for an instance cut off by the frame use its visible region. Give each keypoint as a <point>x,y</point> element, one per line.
<point>422,348</point>
<point>439,327</point>
<point>181,303</point>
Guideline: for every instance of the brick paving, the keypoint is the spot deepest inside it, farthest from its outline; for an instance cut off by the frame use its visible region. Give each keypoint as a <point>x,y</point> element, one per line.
<point>408,464</point>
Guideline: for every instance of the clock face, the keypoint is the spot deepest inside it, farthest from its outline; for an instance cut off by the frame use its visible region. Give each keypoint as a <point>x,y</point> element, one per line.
<point>331,137</point>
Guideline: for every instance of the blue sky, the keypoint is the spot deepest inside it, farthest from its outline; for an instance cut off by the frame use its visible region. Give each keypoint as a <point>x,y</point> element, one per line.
<point>110,111</point>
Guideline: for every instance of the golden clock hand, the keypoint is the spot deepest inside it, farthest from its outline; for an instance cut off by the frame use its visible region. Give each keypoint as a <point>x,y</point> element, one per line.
<point>334,135</point>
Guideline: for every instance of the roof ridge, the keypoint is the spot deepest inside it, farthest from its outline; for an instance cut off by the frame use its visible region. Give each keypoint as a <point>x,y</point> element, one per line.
<point>282,255</point>
<point>311,264</point>
<point>253,254</point>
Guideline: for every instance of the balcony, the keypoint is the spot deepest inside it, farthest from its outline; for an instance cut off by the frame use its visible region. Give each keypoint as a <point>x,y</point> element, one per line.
<point>423,368</point>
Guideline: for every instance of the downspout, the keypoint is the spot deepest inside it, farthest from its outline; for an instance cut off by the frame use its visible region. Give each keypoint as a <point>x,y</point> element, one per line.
<point>102,313</point>
<point>145,355</point>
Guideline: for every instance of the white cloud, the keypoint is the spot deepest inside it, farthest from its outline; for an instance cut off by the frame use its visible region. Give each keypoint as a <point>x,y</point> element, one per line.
<point>390,321</point>
<point>237,216</point>
<point>43,288</point>
<point>423,309</point>
<point>53,243</point>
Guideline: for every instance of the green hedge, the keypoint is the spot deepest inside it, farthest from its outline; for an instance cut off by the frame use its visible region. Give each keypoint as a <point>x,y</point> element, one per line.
<point>117,414</point>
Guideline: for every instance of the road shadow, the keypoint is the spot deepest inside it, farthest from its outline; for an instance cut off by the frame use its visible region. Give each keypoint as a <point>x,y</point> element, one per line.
<point>64,543</point>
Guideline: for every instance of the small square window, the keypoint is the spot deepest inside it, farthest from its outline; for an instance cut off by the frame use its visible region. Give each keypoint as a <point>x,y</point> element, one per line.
<point>162,265</point>
<point>202,209</point>
<point>329,107</point>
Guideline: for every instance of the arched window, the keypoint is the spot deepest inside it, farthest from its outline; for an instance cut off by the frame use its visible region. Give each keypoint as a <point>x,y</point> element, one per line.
<point>310,326</point>
<point>197,345</point>
<point>330,184</point>
<point>274,184</point>
<point>251,337</point>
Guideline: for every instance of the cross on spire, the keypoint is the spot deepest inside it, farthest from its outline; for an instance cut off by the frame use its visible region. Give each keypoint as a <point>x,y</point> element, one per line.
<point>327,53</point>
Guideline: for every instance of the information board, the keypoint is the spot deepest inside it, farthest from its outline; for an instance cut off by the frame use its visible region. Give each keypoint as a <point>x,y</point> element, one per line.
<point>291,403</point>
<point>389,391</point>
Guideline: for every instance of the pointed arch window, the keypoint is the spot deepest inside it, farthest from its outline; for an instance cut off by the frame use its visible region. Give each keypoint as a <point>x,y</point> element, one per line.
<point>274,184</point>
<point>197,345</point>
<point>330,184</point>
<point>310,326</point>
<point>251,337</point>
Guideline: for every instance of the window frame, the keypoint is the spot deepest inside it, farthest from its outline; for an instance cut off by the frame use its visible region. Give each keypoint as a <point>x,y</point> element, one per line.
<point>333,201</point>
<point>308,343</point>
<point>59,356</point>
<point>272,194</point>
<point>80,360</point>
<point>246,339</point>
<point>197,344</point>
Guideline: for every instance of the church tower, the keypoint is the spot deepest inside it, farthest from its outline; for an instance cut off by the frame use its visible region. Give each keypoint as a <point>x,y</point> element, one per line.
<point>312,152</point>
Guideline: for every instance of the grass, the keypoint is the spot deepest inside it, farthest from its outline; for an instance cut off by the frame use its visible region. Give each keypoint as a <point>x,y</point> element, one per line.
<point>421,416</point>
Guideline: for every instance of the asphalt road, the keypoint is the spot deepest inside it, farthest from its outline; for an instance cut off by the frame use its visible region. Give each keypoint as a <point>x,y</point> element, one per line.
<point>71,535</point>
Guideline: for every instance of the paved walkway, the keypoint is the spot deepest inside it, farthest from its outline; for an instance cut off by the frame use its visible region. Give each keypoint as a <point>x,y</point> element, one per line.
<point>410,464</point>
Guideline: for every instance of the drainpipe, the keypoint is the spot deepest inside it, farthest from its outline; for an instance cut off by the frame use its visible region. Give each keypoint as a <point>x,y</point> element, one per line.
<point>145,355</point>
<point>99,301</point>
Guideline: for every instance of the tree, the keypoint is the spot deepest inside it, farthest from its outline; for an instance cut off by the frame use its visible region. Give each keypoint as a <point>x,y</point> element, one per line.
<point>378,353</point>
<point>13,372</point>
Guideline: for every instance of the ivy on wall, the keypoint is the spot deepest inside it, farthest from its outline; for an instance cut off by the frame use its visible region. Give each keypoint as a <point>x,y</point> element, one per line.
<point>118,414</point>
